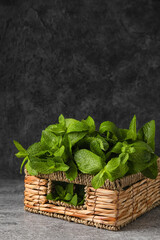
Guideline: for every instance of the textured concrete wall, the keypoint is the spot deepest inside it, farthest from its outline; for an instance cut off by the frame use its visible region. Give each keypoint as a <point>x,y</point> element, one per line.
<point>79,58</point>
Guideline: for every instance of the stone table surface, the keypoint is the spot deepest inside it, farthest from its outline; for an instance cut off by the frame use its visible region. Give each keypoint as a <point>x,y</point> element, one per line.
<point>17,224</point>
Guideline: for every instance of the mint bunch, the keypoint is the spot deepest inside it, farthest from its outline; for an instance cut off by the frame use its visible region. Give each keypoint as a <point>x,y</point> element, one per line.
<point>75,146</point>
<point>68,192</point>
<point>130,152</point>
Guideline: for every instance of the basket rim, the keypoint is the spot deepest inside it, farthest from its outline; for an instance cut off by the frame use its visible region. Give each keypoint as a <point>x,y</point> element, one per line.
<point>85,179</point>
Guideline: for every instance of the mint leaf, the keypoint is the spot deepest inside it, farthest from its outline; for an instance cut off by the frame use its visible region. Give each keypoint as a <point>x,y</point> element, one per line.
<point>152,170</point>
<point>68,147</point>
<point>103,143</point>
<point>74,200</point>
<point>49,139</point>
<point>140,135</point>
<point>86,142</point>
<point>61,120</point>
<point>19,146</point>
<point>140,158</point>
<point>140,164</point>
<point>30,170</point>
<point>60,165</point>
<point>88,162</point>
<point>69,188</point>
<point>24,160</point>
<point>43,166</point>
<point>21,154</point>
<point>96,148</point>
<point>70,121</point>
<point>126,148</point>
<point>71,173</point>
<point>59,152</point>
<point>81,202</point>
<point>147,134</point>
<point>111,138</point>
<point>128,134</point>
<point>124,157</point>
<point>90,123</point>
<point>43,153</point>
<point>36,148</point>
<point>47,165</point>
<point>123,133</point>
<point>57,129</point>
<point>108,127</point>
<point>140,146</point>
<point>132,133</point>
<point>49,196</point>
<point>113,164</point>
<point>77,126</point>
<point>60,191</point>
<point>75,137</point>
<point>68,197</point>
<point>99,179</point>
<point>117,167</point>
<point>116,149</point>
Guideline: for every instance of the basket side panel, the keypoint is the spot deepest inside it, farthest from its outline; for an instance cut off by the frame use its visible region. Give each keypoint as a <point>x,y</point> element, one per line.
<point>138,199</point>
<point>103,204</point>
<point>35,191</point>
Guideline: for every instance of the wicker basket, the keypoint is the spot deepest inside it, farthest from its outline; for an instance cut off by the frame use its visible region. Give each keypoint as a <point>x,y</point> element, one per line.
<point>110,207</point>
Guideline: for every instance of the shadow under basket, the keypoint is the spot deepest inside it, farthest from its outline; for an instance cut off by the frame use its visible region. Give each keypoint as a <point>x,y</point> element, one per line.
<point>110,207</point>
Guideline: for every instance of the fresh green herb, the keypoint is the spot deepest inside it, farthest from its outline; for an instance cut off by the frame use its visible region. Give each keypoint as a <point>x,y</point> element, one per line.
<point>72,172</point>
<point>88,162</point>
<point>137,149</point>
<point>68,192</point>
<point>75,146</point>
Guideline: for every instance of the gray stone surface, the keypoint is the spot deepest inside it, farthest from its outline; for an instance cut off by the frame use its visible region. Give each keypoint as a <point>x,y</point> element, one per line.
<point>16,224</point>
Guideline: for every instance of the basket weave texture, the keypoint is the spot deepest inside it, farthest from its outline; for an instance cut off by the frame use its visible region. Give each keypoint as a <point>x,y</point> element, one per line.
<point>110,207</point>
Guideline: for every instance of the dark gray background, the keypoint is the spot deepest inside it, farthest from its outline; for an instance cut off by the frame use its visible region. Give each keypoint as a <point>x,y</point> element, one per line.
<point>78,58</point>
